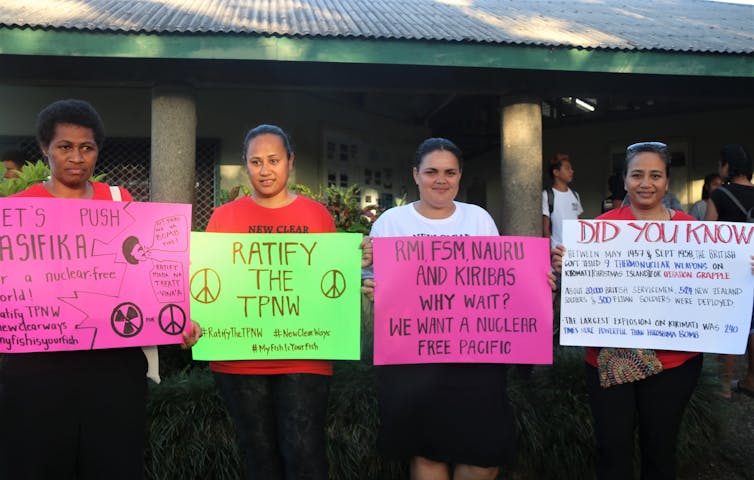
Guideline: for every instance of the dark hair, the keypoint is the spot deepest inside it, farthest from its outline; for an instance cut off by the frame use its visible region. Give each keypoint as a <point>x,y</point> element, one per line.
<point>738,160</point>
<point>616,185</point>
<point>707,182</point>
<point>128,246</point>
<point>266,129</point>
<point>16,156</point>
<point>437,143</point>
<point>75,112</point>
<point>654,147</point>
<point>557,162</point>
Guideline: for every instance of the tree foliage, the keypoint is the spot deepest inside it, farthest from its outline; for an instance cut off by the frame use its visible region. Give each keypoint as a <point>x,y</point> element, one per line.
<point>344,204</point>
<point>30,174</point>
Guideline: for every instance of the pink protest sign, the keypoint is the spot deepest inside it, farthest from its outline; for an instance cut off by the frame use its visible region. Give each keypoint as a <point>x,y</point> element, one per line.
<point>462,299</point>
<point>83,274</point>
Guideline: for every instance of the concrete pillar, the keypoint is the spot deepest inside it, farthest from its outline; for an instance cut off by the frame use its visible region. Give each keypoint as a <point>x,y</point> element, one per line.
<point>173,163</point>
<point>521,166</point>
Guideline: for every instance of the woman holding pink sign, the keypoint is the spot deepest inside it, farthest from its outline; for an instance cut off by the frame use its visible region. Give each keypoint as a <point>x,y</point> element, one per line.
<point>452,420</point>
<point>73,414</point>
<point>624,382</point>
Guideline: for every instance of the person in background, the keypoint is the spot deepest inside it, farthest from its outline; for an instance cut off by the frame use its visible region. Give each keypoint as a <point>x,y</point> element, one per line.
<point>734,202</point>
<point>13,160</point>
<point>617,193</point>
<point>711,181</point>
<point>656,393</point>
<point>278,407</point>
<point>74,414</point>
<point>559,202</point>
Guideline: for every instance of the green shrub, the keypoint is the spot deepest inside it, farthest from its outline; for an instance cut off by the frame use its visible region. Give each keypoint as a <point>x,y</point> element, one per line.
<point>552,417</point>
<point>190,435</point>
<point>29,174</point>
<point>703,423</point>
<point>556,437</point>
<point>344,204</point>
<point>353,424</point>
<point>174,360</point>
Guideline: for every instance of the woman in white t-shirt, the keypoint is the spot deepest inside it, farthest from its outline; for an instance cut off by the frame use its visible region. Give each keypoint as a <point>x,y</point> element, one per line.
<point>451,420</point>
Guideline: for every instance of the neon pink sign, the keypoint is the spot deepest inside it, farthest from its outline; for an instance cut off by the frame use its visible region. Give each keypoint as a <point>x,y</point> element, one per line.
<point>82,274</point>
<point>462,299</point>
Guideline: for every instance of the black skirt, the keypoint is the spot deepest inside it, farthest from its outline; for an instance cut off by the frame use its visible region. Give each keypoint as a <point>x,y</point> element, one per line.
<point>453,413</point>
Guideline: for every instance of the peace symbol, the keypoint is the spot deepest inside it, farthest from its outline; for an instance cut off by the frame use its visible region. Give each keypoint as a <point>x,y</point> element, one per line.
<point>127,319</point>
<point>172,319</point>
<point>205,285</point>
<point>333,284</point>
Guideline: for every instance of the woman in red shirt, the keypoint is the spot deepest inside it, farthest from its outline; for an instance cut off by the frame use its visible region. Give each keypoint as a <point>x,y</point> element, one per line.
<point>278,407</point>
<point>661,398</point>
<point>74,414</point>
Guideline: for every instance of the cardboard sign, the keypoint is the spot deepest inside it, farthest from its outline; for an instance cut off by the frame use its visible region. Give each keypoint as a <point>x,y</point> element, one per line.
<point>276,296</point>
<point>83,274</point>
<point>462,299</point>
<point>664,285</point>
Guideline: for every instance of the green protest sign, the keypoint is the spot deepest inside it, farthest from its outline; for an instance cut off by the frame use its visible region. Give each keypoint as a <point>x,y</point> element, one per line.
<point>276,296</point>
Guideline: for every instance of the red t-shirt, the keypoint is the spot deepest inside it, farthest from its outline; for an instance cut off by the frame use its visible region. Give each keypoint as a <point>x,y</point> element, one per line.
<point>668,358</point>
<point>101,192</point>
<point>244,215</point>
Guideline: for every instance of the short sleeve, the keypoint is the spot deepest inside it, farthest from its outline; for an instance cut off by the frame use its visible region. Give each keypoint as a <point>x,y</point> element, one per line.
<point>212,224</point>
<point>486,223</point>
<point>545,206</point>
<point>126,195</point>
<point>328,221</point>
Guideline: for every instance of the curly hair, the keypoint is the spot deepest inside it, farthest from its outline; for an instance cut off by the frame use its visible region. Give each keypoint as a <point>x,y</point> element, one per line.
<point>72,111</point>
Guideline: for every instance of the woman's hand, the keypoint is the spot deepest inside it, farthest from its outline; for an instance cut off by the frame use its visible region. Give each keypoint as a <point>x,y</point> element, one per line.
<point>556,258</point>
<point>366,252</point>
<point>367,288</point>
<point>552,280</point>
<point>191,336</point>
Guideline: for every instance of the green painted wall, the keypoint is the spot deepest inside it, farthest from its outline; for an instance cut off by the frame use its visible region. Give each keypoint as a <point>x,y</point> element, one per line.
<point>26,41</point>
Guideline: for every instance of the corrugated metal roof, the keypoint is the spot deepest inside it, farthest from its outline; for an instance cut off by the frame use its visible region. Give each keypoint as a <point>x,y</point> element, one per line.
<point>668,25</point>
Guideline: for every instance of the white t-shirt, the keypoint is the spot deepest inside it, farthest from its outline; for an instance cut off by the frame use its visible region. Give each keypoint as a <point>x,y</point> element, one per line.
<point>405,221</point>
<point>566,206</point>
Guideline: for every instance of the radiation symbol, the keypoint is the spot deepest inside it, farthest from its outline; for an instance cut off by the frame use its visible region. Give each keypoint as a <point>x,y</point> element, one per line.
<point>127,320</point>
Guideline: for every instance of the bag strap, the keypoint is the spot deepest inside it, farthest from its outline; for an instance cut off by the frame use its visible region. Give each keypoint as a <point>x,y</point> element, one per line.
<point>550,199</point>
<point>734,200</point>
<point>115,193</point>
